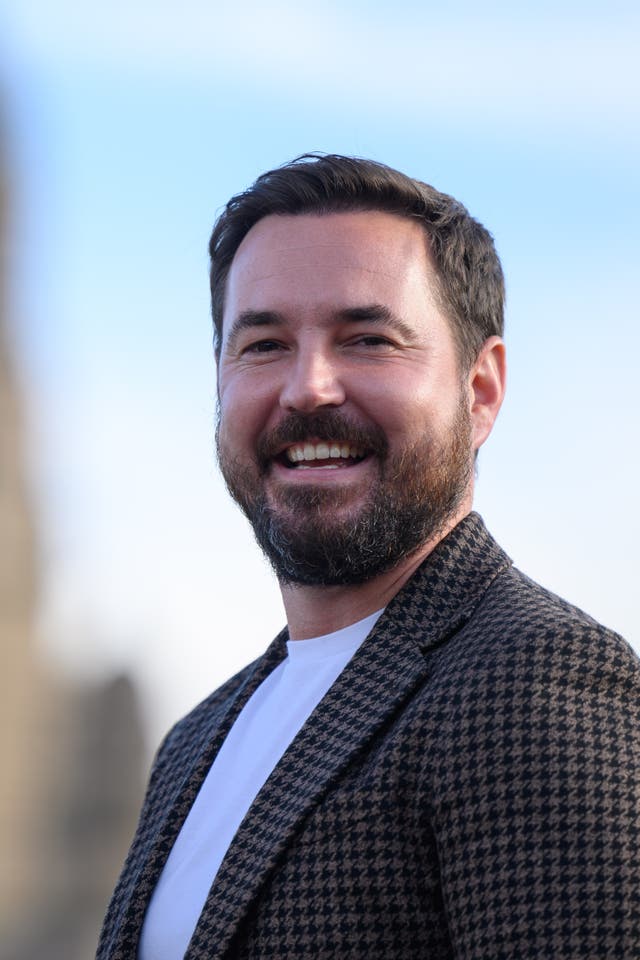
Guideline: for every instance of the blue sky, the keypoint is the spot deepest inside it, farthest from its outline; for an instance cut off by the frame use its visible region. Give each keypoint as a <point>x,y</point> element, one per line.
<point>130,126</point>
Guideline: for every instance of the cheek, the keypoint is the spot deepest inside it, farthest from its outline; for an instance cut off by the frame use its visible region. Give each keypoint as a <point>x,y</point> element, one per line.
<point>245,408</point>
<point>419,420</point>
<point>404,411</point>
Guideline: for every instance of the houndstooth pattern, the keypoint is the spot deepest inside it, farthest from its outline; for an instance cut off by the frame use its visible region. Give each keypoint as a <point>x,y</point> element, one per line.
<point>469,788</point>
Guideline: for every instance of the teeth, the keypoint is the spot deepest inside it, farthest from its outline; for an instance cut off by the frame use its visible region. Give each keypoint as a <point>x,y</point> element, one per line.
<point>300,452</point>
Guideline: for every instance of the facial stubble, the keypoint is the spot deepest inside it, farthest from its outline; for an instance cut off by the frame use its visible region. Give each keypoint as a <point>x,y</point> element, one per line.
<point>309,534</point>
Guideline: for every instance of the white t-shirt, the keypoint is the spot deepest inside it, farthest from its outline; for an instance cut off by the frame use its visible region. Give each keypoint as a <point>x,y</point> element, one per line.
<point>257,740</point>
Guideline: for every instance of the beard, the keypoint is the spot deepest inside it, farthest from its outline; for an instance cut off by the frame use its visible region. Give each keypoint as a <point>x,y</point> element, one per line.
<point>307,532</point>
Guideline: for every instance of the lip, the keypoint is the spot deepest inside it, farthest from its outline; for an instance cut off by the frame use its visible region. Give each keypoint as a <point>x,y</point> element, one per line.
<point>320,475</point>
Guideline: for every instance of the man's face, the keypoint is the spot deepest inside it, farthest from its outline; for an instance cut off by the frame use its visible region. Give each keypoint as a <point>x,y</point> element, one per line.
<point>344,426</point>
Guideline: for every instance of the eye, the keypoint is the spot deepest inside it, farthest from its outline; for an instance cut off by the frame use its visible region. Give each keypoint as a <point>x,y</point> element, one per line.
<point>372,340</point>
<point>262,346</point>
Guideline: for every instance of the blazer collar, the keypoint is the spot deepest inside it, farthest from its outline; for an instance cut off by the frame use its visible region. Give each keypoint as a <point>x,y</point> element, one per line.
<point>391,663</point>
<point>444,591</point>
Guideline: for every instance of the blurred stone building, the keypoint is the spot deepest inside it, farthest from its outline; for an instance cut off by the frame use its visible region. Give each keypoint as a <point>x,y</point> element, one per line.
<point>71,757</point>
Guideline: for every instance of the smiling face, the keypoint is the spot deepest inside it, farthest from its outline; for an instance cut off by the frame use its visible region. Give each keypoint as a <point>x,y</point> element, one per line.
<point>346,431</point>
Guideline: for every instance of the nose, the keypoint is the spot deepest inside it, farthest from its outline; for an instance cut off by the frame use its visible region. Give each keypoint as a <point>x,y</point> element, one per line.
<point>312,382</point>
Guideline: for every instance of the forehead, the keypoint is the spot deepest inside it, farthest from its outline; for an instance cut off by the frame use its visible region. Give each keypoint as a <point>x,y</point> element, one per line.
<point>337,258</point>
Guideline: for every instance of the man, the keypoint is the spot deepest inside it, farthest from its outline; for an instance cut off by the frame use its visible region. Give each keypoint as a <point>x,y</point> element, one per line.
<point>437,758</point>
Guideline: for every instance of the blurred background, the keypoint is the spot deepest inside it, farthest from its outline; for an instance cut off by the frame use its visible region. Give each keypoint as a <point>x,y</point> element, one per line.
<point>130,587</point>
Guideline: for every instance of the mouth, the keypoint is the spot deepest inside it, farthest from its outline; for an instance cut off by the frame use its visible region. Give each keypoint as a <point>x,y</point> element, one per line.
<point>323,443</point>
<point>321,455</point>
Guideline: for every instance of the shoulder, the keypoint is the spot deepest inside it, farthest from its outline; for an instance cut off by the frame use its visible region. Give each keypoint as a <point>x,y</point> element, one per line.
<point>529,669</point>
<point>522,642</point>
<point>530,768</point>
<point>519,617</point>
<point>189,743</point>
<point>536,706</point>
<point>197,724</point>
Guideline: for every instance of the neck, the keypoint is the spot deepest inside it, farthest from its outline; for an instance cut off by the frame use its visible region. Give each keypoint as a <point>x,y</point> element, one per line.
<point>314,611</point>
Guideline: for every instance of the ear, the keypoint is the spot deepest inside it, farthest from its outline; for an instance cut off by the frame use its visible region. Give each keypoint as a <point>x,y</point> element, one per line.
<point>487,382</point>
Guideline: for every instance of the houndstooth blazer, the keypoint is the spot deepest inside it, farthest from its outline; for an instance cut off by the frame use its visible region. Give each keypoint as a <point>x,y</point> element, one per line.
<point>469,787</point>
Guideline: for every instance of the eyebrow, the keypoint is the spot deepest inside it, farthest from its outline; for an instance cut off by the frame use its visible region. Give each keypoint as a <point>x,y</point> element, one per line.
<point>374,313</point>
<point>249,319</point>
<point>377,313</point>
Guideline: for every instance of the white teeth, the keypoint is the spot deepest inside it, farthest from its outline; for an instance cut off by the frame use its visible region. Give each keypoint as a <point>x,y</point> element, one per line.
<point>300,452</point>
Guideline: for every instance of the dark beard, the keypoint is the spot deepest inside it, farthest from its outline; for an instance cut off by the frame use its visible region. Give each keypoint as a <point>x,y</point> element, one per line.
<point>418,492</point>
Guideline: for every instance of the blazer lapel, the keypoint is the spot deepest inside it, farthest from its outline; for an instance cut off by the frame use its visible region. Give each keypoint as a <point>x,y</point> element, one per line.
<point>388,667</point>
<point>198,745</point>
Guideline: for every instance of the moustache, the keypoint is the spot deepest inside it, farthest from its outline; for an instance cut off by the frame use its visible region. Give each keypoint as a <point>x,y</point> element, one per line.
<point>322,425</point>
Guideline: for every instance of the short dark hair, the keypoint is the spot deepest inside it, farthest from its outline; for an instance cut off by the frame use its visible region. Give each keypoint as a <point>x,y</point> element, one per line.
<point>470,279</point>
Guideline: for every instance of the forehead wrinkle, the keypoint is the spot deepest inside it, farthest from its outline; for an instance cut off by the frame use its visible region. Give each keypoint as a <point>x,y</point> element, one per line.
<point>276,261</point>
<point>280,271</point>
